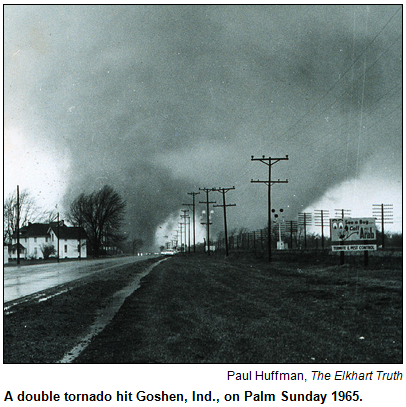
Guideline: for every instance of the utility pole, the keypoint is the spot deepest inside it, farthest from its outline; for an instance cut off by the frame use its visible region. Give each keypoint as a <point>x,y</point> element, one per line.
<point>223,191</point>
<point>207,202</point>
<point>262,242</point>
<point>269,161</point>
<point>57,227</point>
<point>305,219</point>
<point>343,213</point>
<point>80,240</point>
<point>18,225</point>
<point>184,216</point>
<point>320,216</point>
<point>180,234</point>
<point>188,247</point>
<point>177,238</point>
<point>383,213</point>
<point>293,229</point>
<point>194,227</point>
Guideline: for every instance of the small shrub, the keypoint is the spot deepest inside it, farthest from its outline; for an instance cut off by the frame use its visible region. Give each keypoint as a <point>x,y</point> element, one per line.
<point>47,250</point>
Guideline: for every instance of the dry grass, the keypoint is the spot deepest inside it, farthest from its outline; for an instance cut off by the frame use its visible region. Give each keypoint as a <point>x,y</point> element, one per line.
<point>194,309</point>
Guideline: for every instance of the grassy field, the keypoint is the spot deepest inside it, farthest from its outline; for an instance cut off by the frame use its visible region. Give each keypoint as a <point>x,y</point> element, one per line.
<point>300,309</point>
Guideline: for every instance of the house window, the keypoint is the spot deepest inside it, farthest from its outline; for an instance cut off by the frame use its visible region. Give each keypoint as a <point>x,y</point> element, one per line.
<point>66,248</point>
<point>46,239</point>
<point>35,239</point>
<point>25,240</point>
<point>52,237</point>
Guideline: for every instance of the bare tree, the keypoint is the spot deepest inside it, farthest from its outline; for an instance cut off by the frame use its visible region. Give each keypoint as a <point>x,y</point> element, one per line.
<point>28,212</point>
<point>49,216</point>
<point>101,214</point>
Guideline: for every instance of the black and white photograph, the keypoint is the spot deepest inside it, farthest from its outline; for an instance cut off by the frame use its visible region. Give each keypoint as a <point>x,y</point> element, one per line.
<point>204,185</point>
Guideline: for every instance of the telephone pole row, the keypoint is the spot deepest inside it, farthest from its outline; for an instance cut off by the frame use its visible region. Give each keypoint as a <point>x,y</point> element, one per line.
<point>269,161</point>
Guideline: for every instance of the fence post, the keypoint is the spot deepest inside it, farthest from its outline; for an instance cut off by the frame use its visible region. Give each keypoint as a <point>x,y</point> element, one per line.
<point>365,258</point>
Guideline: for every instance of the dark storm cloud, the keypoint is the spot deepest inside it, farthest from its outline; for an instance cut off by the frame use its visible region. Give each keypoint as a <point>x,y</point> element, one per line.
<point>161,100</point>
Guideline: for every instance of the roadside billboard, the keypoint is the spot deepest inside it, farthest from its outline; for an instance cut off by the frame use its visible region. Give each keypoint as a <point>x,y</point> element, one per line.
<point>352,229</point>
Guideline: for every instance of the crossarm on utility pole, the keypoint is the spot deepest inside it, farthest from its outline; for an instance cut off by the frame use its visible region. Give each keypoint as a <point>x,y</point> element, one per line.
<point>223,192</point>
<point>207,202</point>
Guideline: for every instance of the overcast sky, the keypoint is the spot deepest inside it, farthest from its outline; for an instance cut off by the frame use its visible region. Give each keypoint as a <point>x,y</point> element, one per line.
<point>159,101</point>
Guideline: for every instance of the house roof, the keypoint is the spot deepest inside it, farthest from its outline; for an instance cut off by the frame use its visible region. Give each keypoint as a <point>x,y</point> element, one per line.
<point>67,232</point>
<point>43,229</point>
<point>33,230</point>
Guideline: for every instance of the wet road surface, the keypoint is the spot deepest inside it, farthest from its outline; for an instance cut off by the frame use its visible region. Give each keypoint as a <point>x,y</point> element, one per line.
<point>20,281</point>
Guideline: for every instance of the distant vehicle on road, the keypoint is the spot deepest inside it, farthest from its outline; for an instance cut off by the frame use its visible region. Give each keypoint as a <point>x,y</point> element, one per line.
<point>169,252</point>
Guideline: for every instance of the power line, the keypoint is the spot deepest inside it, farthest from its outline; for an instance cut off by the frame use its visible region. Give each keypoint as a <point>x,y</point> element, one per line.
<point>348,140</point>
<point>337,99</point>
<point>376,103</point>
<point>349,128</point>
<point>341,77</point>
<point>372,123</point>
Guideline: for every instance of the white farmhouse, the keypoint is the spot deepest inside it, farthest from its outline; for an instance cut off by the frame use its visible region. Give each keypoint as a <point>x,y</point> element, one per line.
<point>70,239</point>
<point>35,236</point>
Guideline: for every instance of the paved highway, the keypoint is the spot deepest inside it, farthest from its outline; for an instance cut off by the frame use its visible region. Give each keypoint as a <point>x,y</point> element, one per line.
<point>20,281</point>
